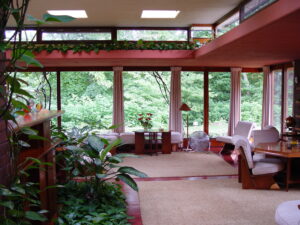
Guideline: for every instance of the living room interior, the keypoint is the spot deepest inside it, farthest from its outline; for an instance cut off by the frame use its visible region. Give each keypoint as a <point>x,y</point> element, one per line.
<point>186,115</point>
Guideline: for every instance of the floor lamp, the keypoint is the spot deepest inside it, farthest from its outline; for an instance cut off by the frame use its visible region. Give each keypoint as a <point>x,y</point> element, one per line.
<point>185,107</point>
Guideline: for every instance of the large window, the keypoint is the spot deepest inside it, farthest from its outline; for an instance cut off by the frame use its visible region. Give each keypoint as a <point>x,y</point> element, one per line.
<point>277,99</point>
<point>42,86</point>
<point>228,24</point>
<point>24,35</point>
<point>219,103</point>
<point>77,36</point>
<point>152,35</point>
<point>146,92</point>
<point>192,95</point>
<point>87,99</point>
<point>290,92</point>
<point>251,97</point>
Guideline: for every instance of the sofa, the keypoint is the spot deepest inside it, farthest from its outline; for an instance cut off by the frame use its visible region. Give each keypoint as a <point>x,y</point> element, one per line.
<point>128,138</point>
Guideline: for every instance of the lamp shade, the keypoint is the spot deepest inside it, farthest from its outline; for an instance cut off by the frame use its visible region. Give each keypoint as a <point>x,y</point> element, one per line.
<point>184,107</point>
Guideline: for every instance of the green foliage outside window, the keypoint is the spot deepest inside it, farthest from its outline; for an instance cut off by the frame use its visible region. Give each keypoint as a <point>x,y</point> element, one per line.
<point>87,98</point>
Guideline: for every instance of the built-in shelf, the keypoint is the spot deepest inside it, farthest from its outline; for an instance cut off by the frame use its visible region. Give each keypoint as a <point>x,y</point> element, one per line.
<point>42,149</point>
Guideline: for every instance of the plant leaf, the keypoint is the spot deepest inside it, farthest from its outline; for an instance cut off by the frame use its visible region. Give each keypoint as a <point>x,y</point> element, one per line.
<point>37,21</point>
<point>95,142</point>
<point>51,18</point>
<point>23,144</point>
<point>115,159</point>
<point>108,148</point>
<point>31,215</point>
<point>29,60</point>
<point>100,175</point>
<point>73,148</point>
<point>7,204</point>
<point>128,180</point>
<point>29,131</point>
<point>19,104</point>
<point>132,171</point>
<point>124,155</point>
<point>37,137</point>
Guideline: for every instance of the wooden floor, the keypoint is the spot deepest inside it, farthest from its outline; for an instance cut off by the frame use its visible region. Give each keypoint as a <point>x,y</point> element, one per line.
<point>133,208</point>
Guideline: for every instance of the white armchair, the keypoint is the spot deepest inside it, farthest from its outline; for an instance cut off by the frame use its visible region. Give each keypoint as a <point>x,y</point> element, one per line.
<point>257,175</point>
<point>243,129</point>
<point>267,135</point>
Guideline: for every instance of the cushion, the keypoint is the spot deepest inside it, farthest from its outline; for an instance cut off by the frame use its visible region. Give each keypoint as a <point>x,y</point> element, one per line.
<point>226,139</point>
<point>176,137</point>
<point>288,213</point>
<point>267,135</point>
<point>110,138</point>
<point>260,157</point>
<point>127,137</point>
<point>266,167</point>
<point>244,129</point>
<point>243,144</point>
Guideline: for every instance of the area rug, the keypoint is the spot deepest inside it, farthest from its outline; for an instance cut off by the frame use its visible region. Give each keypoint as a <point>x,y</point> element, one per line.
<point>208,202</point>
<point>181,164</point>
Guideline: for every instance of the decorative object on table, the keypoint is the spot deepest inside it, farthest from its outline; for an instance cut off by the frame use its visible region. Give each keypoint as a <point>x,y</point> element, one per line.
<point>199,141</point>
<point>38,107</point>
<point>186,108</point>
<point>146,120</point>
<point>290,123</point>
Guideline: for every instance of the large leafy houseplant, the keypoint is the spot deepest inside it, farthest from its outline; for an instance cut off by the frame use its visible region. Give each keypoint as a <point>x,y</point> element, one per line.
<point>90,158</point>
<point>20,200</point>
<point>90,195</point>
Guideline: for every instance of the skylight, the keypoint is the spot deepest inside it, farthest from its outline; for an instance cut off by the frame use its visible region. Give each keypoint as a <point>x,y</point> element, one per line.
<point>160,14</point>
<point>73,13</point>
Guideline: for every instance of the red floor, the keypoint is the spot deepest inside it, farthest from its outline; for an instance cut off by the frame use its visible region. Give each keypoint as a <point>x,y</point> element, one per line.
<point>133,208</point>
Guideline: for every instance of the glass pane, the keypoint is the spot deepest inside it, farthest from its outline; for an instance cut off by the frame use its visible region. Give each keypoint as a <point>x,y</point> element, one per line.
<point>43,91</point>
<point>253,6</point>
<point>228,24</point>
<point>192,95</point>
<point>61,36</point>
<point>290,90</point>
<point>251,97</point>
<point>87,99</point>
<point>219,103</point>
<point>146,92</point>
<point>202,32</point>
<point>152,35</point>
<point>277,101</point>
<point>27,35</point>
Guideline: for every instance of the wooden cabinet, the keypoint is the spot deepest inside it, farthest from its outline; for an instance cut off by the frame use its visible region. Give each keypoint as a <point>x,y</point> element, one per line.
<point>44,151</point>
<point>162,142</point>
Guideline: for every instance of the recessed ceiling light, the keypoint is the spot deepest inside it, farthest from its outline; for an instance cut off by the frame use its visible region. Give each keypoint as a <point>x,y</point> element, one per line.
<point>160,14</point>
<point>73,13</point>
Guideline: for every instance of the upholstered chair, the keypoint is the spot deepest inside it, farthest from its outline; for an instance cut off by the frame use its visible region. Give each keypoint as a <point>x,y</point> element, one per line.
<point>243,129</point>
<point>255,174</point>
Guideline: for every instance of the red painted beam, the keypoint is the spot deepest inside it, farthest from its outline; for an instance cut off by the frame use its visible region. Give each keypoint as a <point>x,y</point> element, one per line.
<point>270,36</point>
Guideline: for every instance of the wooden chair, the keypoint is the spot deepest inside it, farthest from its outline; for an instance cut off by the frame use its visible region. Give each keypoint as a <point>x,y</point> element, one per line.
<point>255,175</point>
<point>152,142</point>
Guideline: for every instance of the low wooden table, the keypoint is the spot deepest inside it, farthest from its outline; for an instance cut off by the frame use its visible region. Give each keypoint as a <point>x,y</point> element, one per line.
<point>165,141</point>
<point>284,150</point>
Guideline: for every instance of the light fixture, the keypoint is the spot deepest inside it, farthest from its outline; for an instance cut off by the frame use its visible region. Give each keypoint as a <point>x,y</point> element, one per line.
<point>159,14</point>
<point>73,13</point>
<point>185,107</point>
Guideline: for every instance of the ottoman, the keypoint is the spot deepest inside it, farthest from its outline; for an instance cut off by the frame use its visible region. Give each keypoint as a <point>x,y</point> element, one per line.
<point>288,213</point>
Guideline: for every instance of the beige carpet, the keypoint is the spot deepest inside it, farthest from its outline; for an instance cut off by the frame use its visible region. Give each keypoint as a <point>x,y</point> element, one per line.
<point>181,164</point>
<point>208,202</point>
